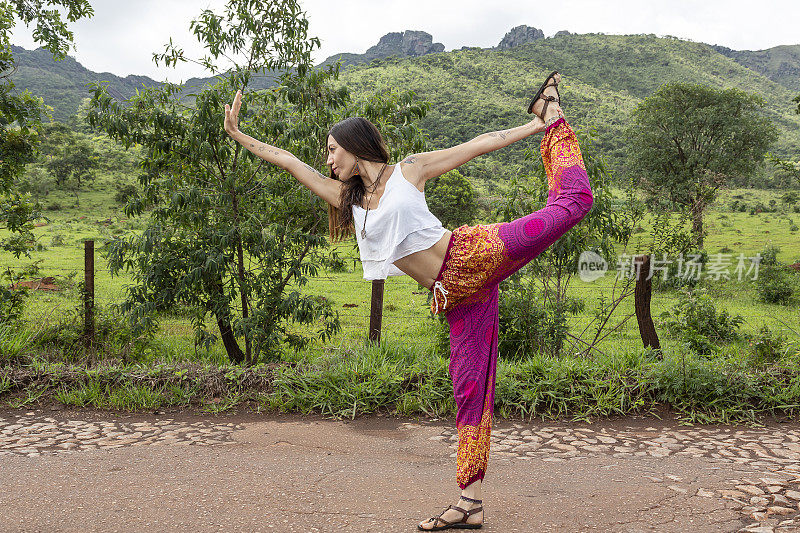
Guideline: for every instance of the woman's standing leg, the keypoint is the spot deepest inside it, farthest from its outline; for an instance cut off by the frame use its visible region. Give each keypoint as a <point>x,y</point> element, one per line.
<point>474,331</point>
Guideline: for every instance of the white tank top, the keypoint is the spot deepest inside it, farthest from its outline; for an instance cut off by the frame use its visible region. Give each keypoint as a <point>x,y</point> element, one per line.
<point>401,225</point>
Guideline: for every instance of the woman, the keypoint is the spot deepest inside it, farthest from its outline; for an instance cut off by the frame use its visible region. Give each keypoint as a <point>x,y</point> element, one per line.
<point>396,233</point>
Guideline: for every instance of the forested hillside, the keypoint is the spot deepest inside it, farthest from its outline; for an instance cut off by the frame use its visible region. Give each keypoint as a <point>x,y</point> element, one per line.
<point>780,64</point>
<point>64,84</point>
<point>472,91</point>
<point>477,90</point>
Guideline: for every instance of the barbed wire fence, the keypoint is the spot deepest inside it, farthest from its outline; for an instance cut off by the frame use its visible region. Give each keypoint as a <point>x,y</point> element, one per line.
<point>372,325</point>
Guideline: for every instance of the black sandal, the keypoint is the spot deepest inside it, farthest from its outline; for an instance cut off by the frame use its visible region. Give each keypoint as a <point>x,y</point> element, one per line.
<point>547,99</point>
<point>458,524</point>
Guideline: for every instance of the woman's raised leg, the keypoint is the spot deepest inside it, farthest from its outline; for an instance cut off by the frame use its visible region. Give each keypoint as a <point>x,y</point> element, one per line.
<point>569,199</point>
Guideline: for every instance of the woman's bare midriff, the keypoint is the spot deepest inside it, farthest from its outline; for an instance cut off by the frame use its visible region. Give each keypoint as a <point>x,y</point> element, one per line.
<point>425,265</point>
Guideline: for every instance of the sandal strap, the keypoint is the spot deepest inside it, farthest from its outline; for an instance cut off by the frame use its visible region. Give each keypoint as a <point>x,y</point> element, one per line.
<point>438,521</point>
<point>549,82</point>
<point>466,513</point>
<point>460,510</point>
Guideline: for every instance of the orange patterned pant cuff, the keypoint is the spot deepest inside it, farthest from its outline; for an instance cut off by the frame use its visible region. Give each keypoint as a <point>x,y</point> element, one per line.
<point>473,450</point>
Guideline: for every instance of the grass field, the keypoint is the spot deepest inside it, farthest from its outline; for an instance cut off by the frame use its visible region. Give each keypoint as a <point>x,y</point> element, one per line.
<point>406,316</point>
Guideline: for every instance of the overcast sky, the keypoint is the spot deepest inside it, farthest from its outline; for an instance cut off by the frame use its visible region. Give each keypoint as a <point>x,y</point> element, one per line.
<point>122,35</point>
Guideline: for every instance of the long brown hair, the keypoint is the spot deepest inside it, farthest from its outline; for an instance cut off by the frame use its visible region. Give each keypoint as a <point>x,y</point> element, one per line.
<point>361,138</point>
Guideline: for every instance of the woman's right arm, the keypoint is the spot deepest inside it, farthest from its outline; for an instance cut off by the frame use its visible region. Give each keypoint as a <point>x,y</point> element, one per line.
<point>324,187</point>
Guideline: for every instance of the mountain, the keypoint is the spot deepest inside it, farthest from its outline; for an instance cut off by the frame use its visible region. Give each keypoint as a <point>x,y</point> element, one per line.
<point>605,76</point>
<point>64,84</point>
<point>474,90</point>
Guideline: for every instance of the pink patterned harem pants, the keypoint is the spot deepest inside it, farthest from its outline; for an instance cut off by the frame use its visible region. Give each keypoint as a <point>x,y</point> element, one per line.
<point>466,289</point>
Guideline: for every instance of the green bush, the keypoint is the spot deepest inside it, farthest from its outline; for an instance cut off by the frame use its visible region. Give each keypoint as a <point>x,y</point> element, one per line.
<point>527,326</point>
<point>673,281</point>
<point>774,285</point>
<point>697,323</point>
<point>11,301</point>
<point>442,337</point>
<point>790,198</point>
<point>335,263</point>
<point>125,191</point>
<point>113,339</point>
<point>452,199</point>
<point>769,255</point>
<point>767,347</point>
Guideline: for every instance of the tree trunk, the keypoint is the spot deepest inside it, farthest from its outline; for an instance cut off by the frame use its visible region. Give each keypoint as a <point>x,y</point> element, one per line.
<point>245,303</point>
<point>243,290</point>
<point>642,294</point>
<point>223,317</point>
<point>229,341</point>
<point>697,223</point>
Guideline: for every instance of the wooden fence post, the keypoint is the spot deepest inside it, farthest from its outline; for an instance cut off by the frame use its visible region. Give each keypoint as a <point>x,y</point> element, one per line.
<point>376,310</point>
<point>88,293</point>
<point>642,295</point>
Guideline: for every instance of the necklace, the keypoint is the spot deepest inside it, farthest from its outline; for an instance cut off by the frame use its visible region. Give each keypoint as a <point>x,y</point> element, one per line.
<point>374,188</point>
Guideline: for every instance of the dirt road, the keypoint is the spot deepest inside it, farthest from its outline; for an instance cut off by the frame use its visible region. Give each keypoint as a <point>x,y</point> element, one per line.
<point>90,471</point>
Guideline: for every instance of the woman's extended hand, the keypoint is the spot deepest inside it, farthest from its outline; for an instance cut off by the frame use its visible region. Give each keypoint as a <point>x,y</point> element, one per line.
<point>538,125</point>
<point>232,114</point>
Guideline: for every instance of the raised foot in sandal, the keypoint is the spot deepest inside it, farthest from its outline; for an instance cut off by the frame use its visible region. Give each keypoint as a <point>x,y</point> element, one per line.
<point>469,518</point>
<point>541,100</point>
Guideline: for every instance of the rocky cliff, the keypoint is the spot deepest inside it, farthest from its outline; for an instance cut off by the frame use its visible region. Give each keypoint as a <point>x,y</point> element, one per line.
<point>409,43</point>
<point>519,36</point>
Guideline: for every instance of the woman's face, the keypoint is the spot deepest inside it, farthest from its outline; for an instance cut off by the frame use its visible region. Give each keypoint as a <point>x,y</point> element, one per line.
<point>341,162</point>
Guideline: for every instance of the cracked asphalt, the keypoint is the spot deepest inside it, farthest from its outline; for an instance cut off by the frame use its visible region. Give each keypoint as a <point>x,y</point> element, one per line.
<point>98,471</point>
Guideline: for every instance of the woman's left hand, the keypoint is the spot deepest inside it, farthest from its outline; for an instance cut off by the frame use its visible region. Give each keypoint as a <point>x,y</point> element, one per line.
<point>538,125</point>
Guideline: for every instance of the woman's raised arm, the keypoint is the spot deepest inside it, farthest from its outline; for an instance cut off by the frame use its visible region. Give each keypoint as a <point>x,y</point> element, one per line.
<point>419,168</point>
<point>324,187</point>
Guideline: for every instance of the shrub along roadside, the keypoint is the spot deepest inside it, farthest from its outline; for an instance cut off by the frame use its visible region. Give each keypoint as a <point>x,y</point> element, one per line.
<point>393,378</point>
<point>132,387</point>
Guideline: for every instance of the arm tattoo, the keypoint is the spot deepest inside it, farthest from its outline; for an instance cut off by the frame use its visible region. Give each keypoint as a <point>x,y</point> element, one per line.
<point>410,160</point>
<point>315,171</point>
<point>264,148</point>
<point>501,134</point>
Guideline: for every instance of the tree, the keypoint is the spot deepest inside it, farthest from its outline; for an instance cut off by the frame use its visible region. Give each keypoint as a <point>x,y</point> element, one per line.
<point>21,118</point>
<point>452,199</point>
<point>687,140</point>
<point>792,167</point>
<point>229,236</point>
<point>73,164</point>
<point>21,113</point>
